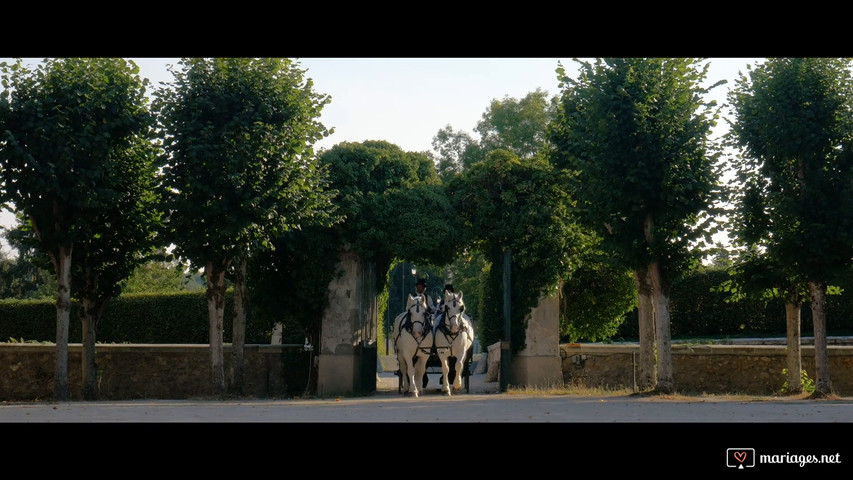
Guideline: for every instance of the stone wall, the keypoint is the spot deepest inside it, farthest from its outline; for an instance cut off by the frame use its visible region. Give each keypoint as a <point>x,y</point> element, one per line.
<point>715,369</point>
<point>183,371</point>
<point>348,329</point>
<point>538,363</point>
<point>139,371</point>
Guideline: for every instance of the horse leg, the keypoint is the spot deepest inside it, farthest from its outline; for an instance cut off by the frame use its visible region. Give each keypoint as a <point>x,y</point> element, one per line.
<point>451,367</point>
<point>457,382</point>
<point>413,385</point>
<point>420,369</point>
<point>404,375</point>
<point>445,386</point>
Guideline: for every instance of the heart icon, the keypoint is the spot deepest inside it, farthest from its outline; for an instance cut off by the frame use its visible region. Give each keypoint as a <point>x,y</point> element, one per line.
<point>740,456</point>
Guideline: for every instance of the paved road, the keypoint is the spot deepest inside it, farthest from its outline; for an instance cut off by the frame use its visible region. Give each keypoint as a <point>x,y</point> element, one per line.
<point>494,431</point>
<point>483,404</point>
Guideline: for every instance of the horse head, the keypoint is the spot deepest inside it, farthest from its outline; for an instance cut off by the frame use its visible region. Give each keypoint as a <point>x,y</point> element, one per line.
<point>416,301</point>
<point>453,309</point>
<point>416,309</point>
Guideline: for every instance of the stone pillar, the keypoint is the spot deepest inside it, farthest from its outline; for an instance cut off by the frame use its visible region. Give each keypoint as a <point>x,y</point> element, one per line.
<point>539,364</point>
<point>348,329</point>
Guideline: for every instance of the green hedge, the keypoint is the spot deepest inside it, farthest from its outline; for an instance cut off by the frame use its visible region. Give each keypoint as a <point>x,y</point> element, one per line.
<point>131,318</point>
<point>696,311</point>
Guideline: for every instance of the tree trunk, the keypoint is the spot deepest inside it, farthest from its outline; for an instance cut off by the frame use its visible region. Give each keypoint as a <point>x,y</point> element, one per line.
<point>90,367</point>
<point>823,386</point>
<point>660,294</point>
<point>63,310</point>
<point>793,307</point>
<point>238,341</point>
<point>92,312</point>
<point>215,273</point>
<point>645,314</point>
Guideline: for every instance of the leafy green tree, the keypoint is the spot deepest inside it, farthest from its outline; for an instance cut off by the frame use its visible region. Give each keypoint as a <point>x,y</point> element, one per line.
<point>465,273</point>
<point>23,277</point>
<point>395,208</point>
<point>393,202</point>
<point>596,296</point>
<point>456,150</point>
<point>289,284</point>
<point>239,136</point>
<point>161,273</point>
<point>634,134</point>
<point>754,275</point>
<point>794,123</point>
<point>67,126</point>
<point>118,240</point>
<point>517,125</point>
<point>515,204</point>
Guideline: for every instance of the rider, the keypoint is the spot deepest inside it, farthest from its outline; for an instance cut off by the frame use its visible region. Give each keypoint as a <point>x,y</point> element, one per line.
<point>420,288</point>
<point>440,315</point>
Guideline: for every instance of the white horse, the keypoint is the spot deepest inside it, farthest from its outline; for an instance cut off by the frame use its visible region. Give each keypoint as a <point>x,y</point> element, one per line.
<point>413,337</point>
<point>454,338</point>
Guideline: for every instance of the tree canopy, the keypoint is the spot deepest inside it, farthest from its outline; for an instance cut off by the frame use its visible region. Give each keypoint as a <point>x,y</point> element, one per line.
<point>239,135</point>
<point>515,204</point>
<point>517,125</point>
<point>635,135</point>
<point>393,202</point>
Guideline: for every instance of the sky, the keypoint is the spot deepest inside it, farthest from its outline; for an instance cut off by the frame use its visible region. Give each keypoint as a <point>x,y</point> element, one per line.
<point>406,101</point>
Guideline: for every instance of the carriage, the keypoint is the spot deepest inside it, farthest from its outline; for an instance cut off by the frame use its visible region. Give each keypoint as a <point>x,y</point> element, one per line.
<point>424,348</point>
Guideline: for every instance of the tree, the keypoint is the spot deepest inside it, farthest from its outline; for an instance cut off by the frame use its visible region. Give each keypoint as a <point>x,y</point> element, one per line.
<point>393,202</point>
<point>304,261</point>
<point>395,207</point>
<point>455,152</point>
<point>597,296</point>
<point>794,123</point>
<point>514,125</point>
<point>633,133</point>
<point>24,276</point>
<point>515,204</point>
<point>239,135</point>
<point>160,273</point>
<point>517,125</point>
<point>757,275</point>
<point>66,125</point>
<point>119,240</point>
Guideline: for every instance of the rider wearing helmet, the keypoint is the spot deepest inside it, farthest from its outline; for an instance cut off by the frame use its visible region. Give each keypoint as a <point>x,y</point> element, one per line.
<point>440,315</point>
<point>420,288</point>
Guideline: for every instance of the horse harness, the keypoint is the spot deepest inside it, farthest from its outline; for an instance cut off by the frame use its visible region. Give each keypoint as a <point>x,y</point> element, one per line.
<point>407,324</point>
<point>445,329</point>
